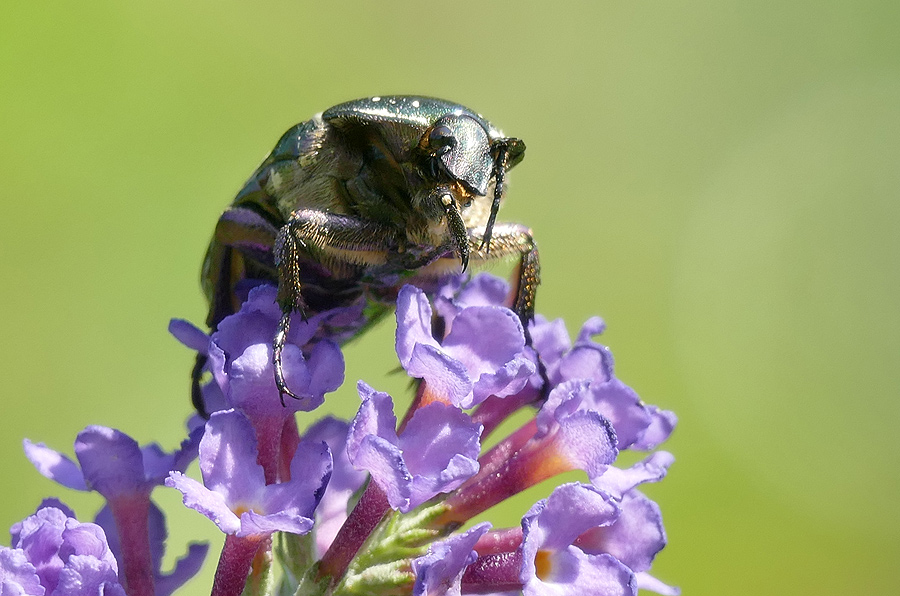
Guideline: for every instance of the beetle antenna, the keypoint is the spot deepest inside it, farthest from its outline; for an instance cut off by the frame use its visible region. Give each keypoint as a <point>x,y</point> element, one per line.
<point>499,173</point>
<point>457,229</point>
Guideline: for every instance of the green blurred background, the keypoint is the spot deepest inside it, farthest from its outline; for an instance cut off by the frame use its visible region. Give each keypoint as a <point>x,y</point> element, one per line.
<point>718,180</point>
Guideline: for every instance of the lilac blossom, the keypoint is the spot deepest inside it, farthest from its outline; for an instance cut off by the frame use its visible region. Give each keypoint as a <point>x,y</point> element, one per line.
<point>427,475</point>
<point>240,360</point>
<point>580,540</point>
<point>468,365</point>
<point>240,356</point>
<point>113,464</point>
<point>440,571</point>
<point>236,497</point>
<point>583,540</point>
<point>436,452</point>
<point>562,437</point>
<point>53,553</point>
<point>637,425</point>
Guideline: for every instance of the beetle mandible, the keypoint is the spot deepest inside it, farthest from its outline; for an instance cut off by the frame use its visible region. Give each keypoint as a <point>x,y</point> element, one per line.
<point>361,199</point>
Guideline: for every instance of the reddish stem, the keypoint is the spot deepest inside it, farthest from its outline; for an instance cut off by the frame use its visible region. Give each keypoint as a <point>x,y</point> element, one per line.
<point>290,439</point>
<point>417,402</point>
<point>131,515</point>
<point>494,410</point>
<point>493,573</point>
<point>365,517</point>
<point>499,541</point>
<point>268,442</point>
<point>535,462</point>
<point>234,564</point>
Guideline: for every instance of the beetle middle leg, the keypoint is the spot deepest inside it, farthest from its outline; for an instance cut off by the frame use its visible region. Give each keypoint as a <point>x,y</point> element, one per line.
<point>317,244</point>
<point>513,240</point>
<point>507,240</point>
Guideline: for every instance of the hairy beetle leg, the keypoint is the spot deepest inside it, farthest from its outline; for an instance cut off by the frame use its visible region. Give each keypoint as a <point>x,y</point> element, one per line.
<point>514,239</point>
<point>323,237</point>
<point>284,325</point>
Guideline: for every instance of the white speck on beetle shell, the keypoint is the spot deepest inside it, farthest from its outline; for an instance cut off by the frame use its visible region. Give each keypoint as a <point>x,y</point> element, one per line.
<point>376,98</point>
<point>415,103</point>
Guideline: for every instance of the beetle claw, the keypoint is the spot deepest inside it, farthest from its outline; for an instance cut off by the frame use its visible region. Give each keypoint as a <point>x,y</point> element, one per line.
<point>284,325</point>
<point>283,388</point>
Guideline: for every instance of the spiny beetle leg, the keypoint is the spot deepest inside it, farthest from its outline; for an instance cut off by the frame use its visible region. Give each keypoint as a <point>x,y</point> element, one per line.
<point>284,325</point>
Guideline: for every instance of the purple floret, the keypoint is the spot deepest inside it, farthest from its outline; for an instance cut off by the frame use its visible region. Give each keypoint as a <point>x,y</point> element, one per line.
<point>236,497</point>
<point>437,451</point>
<point>240,353</point>
<point>552,565</point>
<point>440,572</point>
<point>240,357</point>
<point>53,553</point>
<point>637,425</point>
<point>483,352</point>
<point>574,432</point>
<point>111,462</point>
<point>583,540</point>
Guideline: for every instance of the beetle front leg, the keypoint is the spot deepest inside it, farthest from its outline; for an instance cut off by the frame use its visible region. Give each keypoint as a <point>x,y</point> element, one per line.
<point>312,238</point>
<point>513,240</point>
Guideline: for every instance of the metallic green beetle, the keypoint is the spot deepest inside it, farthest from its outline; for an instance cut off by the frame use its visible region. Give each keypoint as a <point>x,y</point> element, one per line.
<point>361,199</point>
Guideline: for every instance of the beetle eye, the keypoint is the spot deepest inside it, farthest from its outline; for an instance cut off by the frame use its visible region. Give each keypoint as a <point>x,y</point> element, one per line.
<point>441,139</point>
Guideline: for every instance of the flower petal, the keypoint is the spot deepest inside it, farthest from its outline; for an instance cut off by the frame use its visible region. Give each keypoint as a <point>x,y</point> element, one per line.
<point>413,322</point>
<point>189,335</point>
<point>111,461</point>
<point>653,468</point>
<point>254,524</point>
<point>439,572</point>
<point>18,577</point>
<point>228,456</point>
<point>209,503</point>
<point>54,465</point>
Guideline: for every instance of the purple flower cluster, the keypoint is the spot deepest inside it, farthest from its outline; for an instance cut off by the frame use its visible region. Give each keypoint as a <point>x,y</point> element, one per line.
<point>373,505</point>
<point>114,465</point>
<point>53,553</point>
<point>597,538</point>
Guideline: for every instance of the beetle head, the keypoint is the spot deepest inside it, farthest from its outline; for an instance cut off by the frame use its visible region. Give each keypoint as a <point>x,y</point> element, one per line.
<point>459,150</point>
<point>458,146</point>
